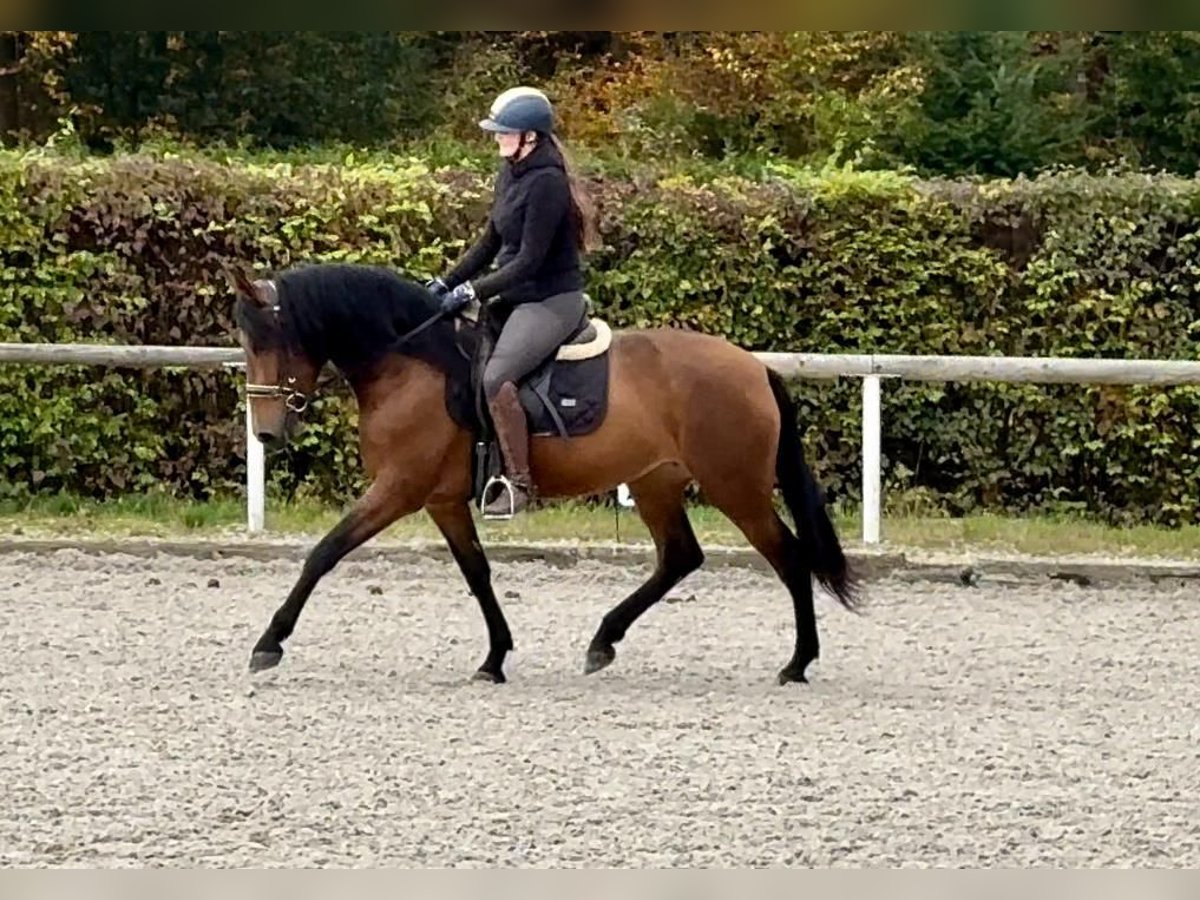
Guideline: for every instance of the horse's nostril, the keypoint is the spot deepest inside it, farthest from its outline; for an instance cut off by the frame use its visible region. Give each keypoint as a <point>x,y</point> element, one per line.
<point>265,437</point>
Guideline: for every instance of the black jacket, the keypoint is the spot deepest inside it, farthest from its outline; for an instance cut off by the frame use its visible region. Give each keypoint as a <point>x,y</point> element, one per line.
<point>530,234</point>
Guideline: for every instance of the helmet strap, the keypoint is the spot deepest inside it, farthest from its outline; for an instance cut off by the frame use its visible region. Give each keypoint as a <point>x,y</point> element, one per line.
<point>522,143</point>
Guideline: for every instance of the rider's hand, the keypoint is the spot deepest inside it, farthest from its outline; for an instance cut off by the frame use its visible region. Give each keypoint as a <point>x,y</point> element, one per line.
<point>458,298</point>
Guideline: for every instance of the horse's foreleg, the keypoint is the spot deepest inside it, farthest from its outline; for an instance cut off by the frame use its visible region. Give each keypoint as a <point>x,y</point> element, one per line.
<point>458,528</point>
<point>379,507</point>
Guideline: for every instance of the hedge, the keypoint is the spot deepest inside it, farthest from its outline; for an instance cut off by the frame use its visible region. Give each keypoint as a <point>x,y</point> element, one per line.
<point>128,250</point>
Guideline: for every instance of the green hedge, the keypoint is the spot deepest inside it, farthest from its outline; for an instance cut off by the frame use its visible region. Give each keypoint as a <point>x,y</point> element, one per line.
<point>128,250</point>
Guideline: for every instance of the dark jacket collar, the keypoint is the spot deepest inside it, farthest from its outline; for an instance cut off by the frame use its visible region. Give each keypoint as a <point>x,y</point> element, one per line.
<point>544,155</point>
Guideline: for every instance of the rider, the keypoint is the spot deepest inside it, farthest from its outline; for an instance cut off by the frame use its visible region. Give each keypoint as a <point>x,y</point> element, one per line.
<point>540,221</point>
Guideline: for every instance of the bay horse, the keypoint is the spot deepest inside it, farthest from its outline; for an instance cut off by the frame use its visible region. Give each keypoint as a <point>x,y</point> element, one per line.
<point>683,407</point>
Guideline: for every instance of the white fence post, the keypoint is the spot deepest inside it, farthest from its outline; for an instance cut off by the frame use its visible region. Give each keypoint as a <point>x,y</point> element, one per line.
<point>255,472</point>
<point>870,459</point>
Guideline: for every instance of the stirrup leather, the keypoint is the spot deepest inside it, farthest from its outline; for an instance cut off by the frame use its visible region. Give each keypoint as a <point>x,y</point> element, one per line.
<point>509,489</point>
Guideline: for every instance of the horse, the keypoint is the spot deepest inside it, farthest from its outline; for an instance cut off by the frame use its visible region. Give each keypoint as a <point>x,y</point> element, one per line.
<point>682,408</point>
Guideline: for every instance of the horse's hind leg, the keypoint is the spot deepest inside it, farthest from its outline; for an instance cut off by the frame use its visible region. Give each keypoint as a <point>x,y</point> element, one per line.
<point>659,498</point>
<point>757,519</point>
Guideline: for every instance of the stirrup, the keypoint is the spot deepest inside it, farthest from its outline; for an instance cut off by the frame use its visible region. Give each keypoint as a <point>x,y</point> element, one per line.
<point>508,490</point>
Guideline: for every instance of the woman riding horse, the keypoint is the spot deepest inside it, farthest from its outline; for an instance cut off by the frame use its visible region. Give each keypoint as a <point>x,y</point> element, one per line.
<point>540,221</point>
<point>682,407</point>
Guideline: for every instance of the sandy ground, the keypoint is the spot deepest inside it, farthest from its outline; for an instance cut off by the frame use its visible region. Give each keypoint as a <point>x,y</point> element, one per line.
<point>948,726</point>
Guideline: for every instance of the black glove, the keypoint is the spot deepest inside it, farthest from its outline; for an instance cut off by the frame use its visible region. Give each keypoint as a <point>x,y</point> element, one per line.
<point>458,298</point>
<point>437,287</point>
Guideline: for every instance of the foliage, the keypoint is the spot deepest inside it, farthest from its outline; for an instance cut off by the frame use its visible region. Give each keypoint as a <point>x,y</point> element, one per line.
<point>273,88</point>
<point>802,94</point>
<point>1148,90</point>
<point>128,250</point>
<point>994,103</point>
<point>943,103</point>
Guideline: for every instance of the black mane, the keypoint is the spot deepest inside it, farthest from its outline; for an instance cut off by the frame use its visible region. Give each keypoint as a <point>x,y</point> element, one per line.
<point>352,316</point>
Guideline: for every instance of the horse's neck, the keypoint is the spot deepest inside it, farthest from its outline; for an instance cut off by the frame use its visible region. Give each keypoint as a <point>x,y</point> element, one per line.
<point>397,377</point>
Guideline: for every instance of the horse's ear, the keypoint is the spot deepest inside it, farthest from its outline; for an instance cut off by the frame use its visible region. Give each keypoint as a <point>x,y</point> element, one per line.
<point>240,283</point>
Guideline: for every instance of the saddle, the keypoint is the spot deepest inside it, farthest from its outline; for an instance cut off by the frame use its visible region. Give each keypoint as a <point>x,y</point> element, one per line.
<point>565,396</point>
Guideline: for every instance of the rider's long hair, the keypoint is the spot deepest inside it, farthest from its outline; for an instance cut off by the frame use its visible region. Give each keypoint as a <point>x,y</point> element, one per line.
<point>583,210</point>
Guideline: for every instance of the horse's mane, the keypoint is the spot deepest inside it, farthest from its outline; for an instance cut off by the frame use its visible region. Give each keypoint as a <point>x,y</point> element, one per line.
<point>352,316</point>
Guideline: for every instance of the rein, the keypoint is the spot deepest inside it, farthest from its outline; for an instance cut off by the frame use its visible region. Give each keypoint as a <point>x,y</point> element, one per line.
<point>428,323</point>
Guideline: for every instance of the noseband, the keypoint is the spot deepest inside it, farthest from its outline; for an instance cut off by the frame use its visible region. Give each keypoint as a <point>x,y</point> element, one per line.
<point>296,401</point>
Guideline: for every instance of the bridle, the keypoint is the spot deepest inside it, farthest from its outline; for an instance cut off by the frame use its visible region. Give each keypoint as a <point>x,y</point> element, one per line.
<point>296,401</point>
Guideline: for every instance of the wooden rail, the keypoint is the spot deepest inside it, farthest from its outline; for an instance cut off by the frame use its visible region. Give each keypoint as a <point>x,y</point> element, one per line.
<point>871,368</point>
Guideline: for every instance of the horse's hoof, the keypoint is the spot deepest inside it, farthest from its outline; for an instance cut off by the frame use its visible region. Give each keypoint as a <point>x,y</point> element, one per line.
<point>261,660</point>
<point>496,677</point>
<point>598,658</point>
<point>791,676</point>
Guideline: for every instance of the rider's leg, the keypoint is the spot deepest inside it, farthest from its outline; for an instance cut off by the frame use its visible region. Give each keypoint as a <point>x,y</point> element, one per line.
<point>533,332</point>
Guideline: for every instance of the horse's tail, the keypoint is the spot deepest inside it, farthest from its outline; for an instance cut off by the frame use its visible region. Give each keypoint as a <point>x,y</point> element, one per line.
<point>805,500</point>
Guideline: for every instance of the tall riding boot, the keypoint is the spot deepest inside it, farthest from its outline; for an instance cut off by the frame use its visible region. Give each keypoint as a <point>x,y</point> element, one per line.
<point>512,431</point>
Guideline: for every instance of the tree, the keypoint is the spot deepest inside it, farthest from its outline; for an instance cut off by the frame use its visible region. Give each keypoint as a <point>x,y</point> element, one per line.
<point>10,118</point>
<point>993,104</point>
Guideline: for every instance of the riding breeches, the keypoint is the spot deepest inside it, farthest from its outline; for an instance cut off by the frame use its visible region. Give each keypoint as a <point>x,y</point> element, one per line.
<point>532,333</point>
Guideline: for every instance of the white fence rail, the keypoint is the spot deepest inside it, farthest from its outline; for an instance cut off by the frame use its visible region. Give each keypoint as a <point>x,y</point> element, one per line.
<point>870,368</point>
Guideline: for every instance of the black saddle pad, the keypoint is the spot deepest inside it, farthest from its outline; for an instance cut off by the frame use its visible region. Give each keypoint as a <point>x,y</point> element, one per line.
<point>566,398</point>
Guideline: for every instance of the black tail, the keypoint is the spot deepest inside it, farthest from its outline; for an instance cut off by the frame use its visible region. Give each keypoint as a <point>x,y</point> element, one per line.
<point>805,501</point>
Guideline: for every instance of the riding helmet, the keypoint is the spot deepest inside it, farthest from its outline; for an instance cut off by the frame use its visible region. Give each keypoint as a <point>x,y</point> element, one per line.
<point>518,110</point>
